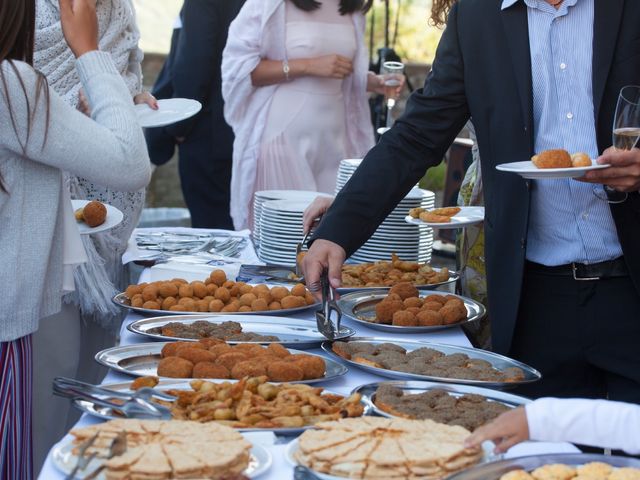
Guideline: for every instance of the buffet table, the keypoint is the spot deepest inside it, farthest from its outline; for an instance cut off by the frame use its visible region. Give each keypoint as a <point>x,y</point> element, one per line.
<point>281,469</point>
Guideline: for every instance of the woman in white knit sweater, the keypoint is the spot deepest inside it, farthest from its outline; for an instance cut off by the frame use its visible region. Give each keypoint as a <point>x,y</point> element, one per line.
<point>40,136</point>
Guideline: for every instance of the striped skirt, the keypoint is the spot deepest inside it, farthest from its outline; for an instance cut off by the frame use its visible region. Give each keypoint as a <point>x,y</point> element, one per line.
<point>16,374</point>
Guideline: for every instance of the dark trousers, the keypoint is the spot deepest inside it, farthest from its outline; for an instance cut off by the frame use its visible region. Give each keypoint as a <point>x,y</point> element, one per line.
<point>205,175</point>
<point>584,336</point>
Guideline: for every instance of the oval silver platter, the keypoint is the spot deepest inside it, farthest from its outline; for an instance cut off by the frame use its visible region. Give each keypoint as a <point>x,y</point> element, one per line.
<point>122,301</point>
<point>498,361</point>
<point>141,360</point>
<point>493,471</point>
<point>174,384</point>
<point>293,333</point>
<point>368,393</point>
<point>360,306</point>
<point>453,277</point>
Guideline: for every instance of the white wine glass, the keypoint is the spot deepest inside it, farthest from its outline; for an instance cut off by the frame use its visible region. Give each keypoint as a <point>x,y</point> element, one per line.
<point>392,73</point>
<point>626,132</point>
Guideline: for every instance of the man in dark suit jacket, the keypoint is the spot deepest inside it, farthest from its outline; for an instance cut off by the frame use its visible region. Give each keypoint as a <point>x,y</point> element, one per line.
<point>563,296</point>
<point>205,141</point>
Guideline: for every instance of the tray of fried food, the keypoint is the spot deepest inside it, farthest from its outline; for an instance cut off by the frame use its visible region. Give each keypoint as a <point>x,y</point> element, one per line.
<point>565,466</point>
<point>436,215</point>
<point>216,295</point>
<point>386,274</point>
<point>255,404</point>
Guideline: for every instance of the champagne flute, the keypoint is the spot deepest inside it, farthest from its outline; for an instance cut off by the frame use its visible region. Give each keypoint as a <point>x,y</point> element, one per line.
<point>626,132</point>
<point>392,73</point>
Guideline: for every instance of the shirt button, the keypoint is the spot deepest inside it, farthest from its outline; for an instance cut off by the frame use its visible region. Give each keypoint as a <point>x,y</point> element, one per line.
<point>569,115</point>
<point>585,216</point>
<point>563,66</point>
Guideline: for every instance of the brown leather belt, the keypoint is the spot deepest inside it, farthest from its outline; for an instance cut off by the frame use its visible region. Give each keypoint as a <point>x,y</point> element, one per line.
<point>582,271</point>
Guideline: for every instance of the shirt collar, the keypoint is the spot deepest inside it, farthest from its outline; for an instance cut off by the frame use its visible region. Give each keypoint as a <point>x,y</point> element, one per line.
<point>509,3</point>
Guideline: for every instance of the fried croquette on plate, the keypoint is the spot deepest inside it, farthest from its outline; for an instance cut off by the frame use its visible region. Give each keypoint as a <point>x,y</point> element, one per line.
<point>554,471</point>
<point>93,214</point>
<point>428,217</point>
<point>144,382</point>
<point>405,290</point>
<point>210,370</point>
<point>175,367</point>
<point>282,371</point>
<point>516,475</point>
<point>434,310</point>
<point>580,159</point>
<point>556,158</point>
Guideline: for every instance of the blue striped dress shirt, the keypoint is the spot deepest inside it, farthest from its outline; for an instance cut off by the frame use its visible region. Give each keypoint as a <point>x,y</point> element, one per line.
<point>567,222</point>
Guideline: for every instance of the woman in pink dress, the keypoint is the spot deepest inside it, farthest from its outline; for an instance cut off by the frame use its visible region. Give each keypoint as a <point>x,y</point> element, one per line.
<point>295,78</point>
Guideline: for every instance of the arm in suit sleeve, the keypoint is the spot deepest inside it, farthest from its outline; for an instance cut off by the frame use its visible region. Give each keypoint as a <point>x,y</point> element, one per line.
<point>195,59</point>
<point>419,139</point>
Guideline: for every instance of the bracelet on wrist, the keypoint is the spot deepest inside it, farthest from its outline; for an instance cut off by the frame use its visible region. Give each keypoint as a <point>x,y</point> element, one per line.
<point>286,70</point>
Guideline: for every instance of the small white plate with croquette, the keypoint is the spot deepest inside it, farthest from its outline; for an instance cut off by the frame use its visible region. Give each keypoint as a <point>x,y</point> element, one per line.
<point>95,217</point>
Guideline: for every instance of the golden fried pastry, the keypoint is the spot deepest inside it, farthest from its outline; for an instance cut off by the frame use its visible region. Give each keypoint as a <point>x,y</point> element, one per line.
<point>278,293</point>
<point>405,290</point>
<point>218,277</point>
<point>248,368</point>
<point>285,372</point>
<point>555,471</point>
<point>557,158</point>
<point>259,305</point>
<point>278,350</point>
<point>446,211</point>
<point>415,212</point>
<point>210,370</point>
<point>175,367</point>
<point>94,214</point>
<point>171,349</point>
<point>151,305</point>
<point>299,290</point>
<point>594,470</point>
<point>626,473</point>
<point>312,366</point>
<point>516,475</point>
<point>580,159</point>
<point>143,382</point>
<point>293,301</point>
<point>429,217</point>
<point>231,358</point>
<point>195,355</point>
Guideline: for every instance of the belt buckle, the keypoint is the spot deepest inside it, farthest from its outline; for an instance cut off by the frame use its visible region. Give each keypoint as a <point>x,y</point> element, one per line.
<point>574,269</point>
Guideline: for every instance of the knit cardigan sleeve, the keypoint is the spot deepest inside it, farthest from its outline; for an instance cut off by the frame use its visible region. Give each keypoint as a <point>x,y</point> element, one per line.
<point>108,148</point>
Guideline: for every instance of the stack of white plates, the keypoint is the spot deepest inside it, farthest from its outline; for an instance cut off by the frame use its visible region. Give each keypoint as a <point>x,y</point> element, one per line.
<point>267,195</point>
<point>410,244</point>
<point>346,169</point>
<point>281,230</point>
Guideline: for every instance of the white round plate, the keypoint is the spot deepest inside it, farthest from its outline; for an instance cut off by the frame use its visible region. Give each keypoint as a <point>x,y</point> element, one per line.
<point>114,217</point>
<point>64,460</point>
<point>170,110</point>
<point>529,170</point>
<point>294,195</point>
<point>467,216</point>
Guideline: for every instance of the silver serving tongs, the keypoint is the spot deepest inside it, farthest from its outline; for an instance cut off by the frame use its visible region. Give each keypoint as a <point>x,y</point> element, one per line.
<point>299,246</point>
<point>323,317</point>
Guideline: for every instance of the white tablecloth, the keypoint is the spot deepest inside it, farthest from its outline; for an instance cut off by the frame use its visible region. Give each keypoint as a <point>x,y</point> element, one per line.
<point>281,470</point>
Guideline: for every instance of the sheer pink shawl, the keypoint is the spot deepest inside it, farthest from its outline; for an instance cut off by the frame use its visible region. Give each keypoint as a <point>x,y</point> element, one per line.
<point>259,32</point>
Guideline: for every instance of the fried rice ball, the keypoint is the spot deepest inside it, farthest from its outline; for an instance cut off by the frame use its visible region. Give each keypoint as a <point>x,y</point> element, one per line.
<point>185,291</point>
<point>94,213</point>
<point>245,309</point>
<point>211,289</point>
<point>199,289</point>
<point>187,304</point>
<point>176,308</point>
<point>312,367</point>
<point>250,349</point>
<point>291,301</point>
<point>429,318</point>
<point>580,159</point>
<point>414,310</point>
<point>175,367</point>
<point>266,296</point>
<point>179,281</point>
<point>248,368</point>
<point>169,302</point>
<point>168,289</point>
<point>150,292</point>
<point>216,305</point>
<point>259,305</point>
<point>284,372</point>
<point>555,471</point>
<point>451,300</point>
<point>433,306</point>
<point>299,290</point>
<point>278,350</point>
<point>556,158</point>
<point>405,290</point>
<point>595,470</point>
<point>137,300</point>
<point>247,299</point>
<point>151,305</point>
<point>220,349</point>
<point>403,318</point>
<point>210,342</point>
<point>231,358</point>
<point>234,290</point>
<point>228,284</point>
<point>171,349</point>
<point>386,309</point>
<point>231,308</point>
<point>195,355</point>
<point>223,294</point>
<point>309,298</point>
<point>625,473</point>
<point>412,302</point>
<point>210,370</point>
<point>278,293</point>
<point>218,277</point>
<point>202,305</point>
<point>275,306</point>
<point>133,290</point>
<point>453,314</point>
<point>441,299</point>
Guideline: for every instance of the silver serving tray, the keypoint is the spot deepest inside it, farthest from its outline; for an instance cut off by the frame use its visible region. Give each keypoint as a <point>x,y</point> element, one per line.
<point>360,306</point>
<point>368,393</point>
<point>141,360</point>
<point>122,301</point>
<point>292,333</point>
<point>498,361</point>
<point>176,384</point>
<point>493,471</point>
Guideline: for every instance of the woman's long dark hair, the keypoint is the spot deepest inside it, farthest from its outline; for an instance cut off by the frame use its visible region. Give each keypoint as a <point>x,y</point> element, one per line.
<point>346,6</point>
<point>17,32</point>
<point>440,12</point>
